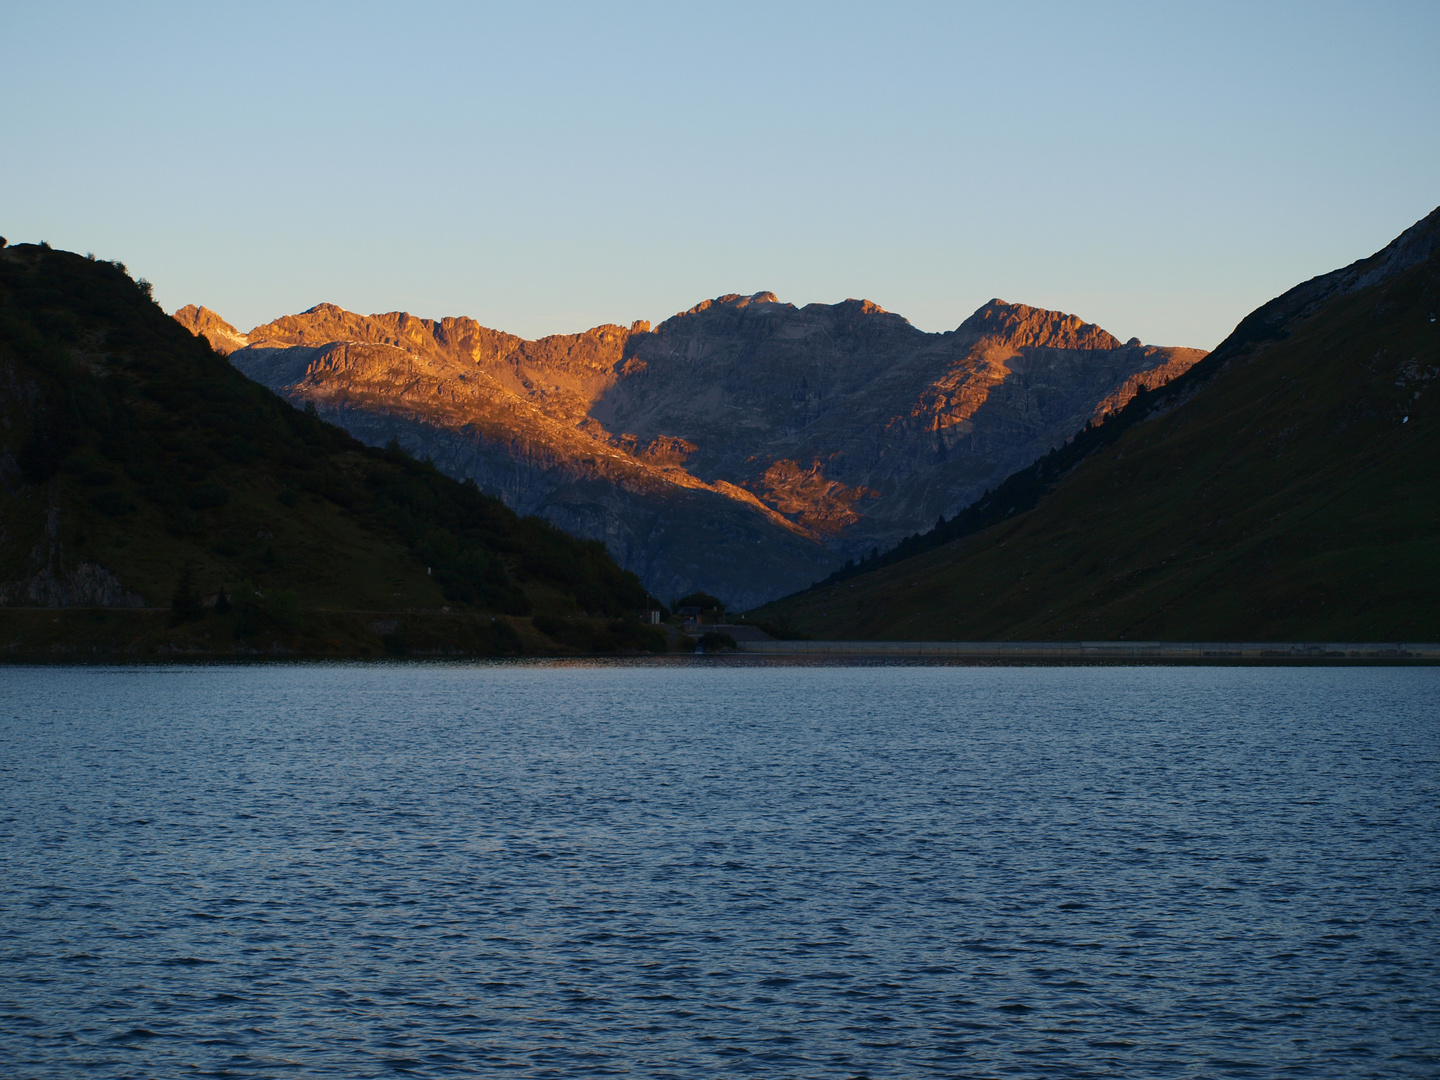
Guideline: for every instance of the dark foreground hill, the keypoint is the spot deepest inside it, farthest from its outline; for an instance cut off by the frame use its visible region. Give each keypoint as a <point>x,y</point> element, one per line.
<point>152,498</point>
<point>1285,488</point>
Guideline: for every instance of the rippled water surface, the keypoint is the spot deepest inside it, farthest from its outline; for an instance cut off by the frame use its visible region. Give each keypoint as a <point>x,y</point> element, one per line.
<point>682,871</point>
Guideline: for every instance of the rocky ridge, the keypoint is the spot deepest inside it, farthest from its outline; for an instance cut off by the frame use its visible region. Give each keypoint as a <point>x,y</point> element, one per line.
<point>745,447</point>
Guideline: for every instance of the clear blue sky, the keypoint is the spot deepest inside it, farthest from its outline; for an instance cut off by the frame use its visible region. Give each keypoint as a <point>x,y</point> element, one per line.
<point>1158,168</point>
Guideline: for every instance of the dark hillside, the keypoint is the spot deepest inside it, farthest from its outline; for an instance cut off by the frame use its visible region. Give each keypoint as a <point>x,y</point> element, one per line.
<point>141,471</point>
<point>1282,489</point>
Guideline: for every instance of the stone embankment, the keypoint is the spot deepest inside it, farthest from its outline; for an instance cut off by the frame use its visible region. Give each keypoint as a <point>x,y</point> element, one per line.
<point>1121,651</point>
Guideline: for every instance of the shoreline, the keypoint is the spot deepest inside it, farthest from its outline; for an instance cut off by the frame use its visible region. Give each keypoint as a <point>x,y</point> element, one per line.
<point>51,636</point>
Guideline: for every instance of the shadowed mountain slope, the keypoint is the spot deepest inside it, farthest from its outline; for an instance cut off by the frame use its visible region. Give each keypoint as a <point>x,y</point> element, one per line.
<point>1283,489</point>
<point>745,447</point>
<point>139,470</point>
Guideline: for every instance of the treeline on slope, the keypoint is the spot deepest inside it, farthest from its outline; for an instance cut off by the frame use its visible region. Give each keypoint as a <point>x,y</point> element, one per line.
<point>1022,490</point>
<point>123,387</point>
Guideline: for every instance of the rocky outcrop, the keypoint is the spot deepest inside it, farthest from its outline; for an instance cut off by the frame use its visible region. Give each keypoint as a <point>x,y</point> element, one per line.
<point>744,447</point>
<point>223,337</point>
<point>83,585</point>
<point>55,579</point>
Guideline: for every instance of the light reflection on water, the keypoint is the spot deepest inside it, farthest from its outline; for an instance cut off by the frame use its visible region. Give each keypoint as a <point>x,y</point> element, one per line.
<point>675,871</point>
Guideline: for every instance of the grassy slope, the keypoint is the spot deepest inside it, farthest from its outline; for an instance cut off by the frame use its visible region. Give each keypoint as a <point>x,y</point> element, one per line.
<point>129,444</point>
<point>1285,500</point>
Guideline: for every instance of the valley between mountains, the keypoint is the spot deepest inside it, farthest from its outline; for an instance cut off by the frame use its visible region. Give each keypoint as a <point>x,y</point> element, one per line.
<point>746,447</point>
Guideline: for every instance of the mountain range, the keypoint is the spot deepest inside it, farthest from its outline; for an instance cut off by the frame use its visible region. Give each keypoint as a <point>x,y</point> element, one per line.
<point>745,447</point>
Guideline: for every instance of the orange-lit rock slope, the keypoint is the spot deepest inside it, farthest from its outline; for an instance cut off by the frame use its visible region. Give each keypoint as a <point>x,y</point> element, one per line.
<point>744,447</point>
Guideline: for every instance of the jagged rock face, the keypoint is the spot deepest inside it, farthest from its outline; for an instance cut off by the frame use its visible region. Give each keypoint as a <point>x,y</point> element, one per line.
<point>860,427</point>
<point>515,428</point>
<point>83,584</point>
<point>223,337</point>
<point>755,388</point>
<point>744,447</point>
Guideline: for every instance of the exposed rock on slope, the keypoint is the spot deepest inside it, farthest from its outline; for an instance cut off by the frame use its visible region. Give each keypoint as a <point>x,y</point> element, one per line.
<point>744,447</point>
<point>223,337</point>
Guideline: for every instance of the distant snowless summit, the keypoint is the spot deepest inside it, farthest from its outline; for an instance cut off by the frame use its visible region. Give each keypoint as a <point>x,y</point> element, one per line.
<point>745,447</point>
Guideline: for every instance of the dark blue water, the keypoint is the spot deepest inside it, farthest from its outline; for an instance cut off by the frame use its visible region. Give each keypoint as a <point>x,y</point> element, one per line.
<point>552,871</point>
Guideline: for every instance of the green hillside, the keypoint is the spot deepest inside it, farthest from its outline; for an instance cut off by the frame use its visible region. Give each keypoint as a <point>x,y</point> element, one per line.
<point>1283,489</point>
<point>153,498</point>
